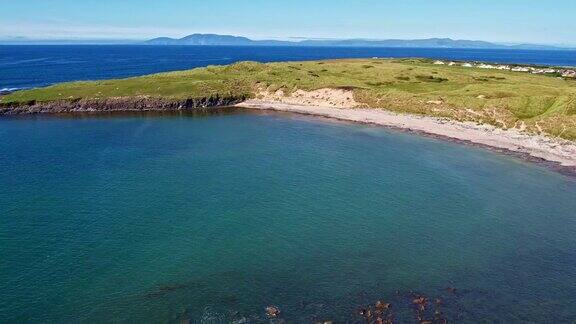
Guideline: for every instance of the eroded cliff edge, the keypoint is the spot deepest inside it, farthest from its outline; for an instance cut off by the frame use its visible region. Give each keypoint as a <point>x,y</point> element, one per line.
<point>120,104</point>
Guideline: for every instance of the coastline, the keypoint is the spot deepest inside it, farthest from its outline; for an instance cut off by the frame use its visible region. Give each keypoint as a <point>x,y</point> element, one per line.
<point>558,154</point>
<point>536,148</point>
<point>118,104</point>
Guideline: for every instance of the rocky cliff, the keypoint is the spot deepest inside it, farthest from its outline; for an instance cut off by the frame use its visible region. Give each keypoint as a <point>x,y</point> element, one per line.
<point>121,104</point>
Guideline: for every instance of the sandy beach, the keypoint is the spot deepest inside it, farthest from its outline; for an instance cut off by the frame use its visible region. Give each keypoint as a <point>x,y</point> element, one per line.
<point>536,147</point>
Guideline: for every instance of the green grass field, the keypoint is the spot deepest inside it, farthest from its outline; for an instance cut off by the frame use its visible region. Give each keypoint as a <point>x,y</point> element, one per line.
<point>506,99</point>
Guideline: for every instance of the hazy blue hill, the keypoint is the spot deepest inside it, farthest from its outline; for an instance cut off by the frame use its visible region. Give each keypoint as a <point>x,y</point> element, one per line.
<point>216,40</point>
<point>227,40</point>
<point>430,43</point>
<point>202,39</point>
<point>163,41</point>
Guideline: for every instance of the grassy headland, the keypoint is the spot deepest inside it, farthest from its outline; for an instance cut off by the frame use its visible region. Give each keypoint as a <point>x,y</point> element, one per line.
<point>537,103</point>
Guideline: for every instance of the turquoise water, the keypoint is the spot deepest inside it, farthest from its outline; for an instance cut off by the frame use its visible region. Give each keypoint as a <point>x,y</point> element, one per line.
<point>164,218</point>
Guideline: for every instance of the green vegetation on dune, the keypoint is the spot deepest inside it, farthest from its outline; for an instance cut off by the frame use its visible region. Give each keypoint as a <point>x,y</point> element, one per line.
<point>503,98</point>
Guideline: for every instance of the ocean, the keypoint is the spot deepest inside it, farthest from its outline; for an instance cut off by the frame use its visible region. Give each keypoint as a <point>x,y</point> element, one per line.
<point>174,218</point>
<point>36,66</point>
<point>212,217</point>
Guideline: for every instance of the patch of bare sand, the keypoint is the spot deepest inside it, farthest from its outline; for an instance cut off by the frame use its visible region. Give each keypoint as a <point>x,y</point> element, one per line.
<point>327,97</point>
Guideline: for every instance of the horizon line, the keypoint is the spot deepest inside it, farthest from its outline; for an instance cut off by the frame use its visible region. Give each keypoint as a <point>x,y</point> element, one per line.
<point>292,39</point>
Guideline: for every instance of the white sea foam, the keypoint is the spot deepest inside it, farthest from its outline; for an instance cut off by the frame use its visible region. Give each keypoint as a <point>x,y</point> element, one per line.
<point>9,90</point>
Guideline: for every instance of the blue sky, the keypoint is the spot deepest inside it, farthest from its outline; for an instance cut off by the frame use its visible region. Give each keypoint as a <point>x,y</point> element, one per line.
<point>513,21</point>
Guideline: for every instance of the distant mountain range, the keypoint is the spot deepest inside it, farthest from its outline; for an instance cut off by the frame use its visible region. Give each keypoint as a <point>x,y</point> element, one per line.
<point>227,40</point>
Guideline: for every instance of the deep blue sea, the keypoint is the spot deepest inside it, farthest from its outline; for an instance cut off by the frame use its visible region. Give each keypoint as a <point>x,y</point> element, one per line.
<point>35,66</point>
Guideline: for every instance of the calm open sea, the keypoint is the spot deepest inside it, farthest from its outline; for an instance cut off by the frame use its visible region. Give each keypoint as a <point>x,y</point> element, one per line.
<point>164,218</point>
<point>34,66</point>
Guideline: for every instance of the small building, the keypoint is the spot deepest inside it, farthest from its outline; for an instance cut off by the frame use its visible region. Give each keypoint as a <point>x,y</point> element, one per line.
<point>486,66</point>
<point>543,71</point>
<point>468,65</point>
<point>569,73</point>
<point>438,62</point>
<point>520,69</point>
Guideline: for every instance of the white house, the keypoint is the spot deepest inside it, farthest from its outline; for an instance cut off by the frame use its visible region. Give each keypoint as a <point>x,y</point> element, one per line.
<point>486,66</point>
<point>569,74</point>
<point>543,71</point>
<point>520,69</point>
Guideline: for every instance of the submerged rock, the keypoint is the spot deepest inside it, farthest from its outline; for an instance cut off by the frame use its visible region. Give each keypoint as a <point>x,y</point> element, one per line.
<point>272,311</point>
<point>242,320</point>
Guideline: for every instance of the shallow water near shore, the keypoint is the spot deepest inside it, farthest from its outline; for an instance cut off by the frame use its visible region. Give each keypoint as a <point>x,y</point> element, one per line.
<point>168,217</point>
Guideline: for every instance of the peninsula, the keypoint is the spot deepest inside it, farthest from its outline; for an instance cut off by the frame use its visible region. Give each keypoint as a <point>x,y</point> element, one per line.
<point>531,110</point>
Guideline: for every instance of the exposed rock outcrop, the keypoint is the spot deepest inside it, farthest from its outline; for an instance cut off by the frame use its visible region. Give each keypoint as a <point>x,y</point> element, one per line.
<point>117,105</point>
